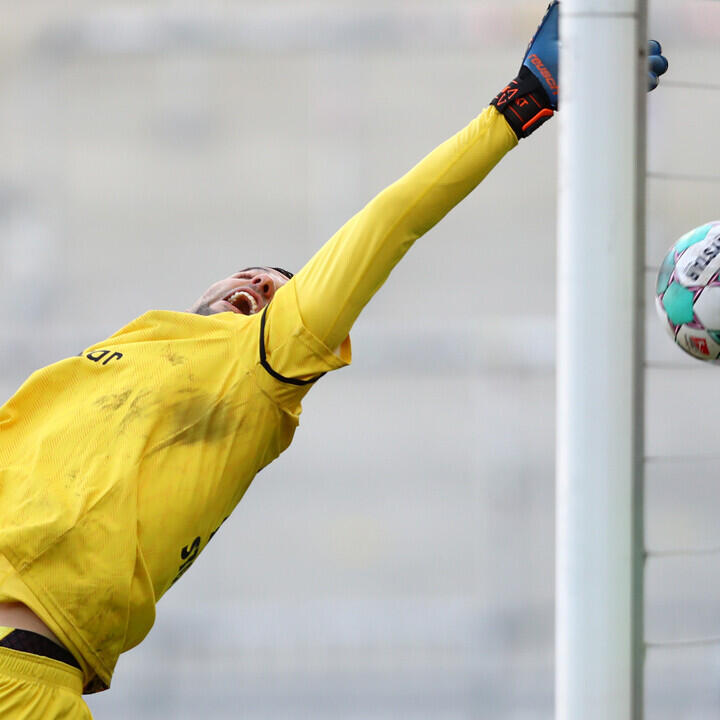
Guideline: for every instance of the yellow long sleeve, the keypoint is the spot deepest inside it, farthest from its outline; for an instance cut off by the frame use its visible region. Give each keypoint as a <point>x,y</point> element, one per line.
<point>341,278</point>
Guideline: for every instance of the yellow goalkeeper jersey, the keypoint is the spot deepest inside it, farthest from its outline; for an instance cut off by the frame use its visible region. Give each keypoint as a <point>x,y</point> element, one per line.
<point>119,465</point>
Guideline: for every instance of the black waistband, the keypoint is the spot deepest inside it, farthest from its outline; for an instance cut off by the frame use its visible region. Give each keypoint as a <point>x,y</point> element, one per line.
<point>31,642</point>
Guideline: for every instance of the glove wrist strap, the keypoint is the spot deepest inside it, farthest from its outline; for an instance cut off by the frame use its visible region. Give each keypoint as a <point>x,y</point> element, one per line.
<point>524,103</point>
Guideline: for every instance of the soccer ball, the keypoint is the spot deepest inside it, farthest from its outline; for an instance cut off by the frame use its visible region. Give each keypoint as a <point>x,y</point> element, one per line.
<point>688,292</point>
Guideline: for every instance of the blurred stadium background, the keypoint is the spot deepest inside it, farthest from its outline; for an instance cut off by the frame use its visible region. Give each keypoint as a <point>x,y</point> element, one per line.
<point>398,560</point>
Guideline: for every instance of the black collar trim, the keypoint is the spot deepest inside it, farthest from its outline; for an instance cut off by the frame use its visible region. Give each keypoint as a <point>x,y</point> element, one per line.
<point>266,364</point>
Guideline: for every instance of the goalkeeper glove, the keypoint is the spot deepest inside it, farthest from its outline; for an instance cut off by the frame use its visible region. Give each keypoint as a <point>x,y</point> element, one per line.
<point>532,97</point>
<point>657,64</point>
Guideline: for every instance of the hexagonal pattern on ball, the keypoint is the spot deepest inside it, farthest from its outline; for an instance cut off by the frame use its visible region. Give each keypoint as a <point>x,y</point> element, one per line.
<point>678,304</point>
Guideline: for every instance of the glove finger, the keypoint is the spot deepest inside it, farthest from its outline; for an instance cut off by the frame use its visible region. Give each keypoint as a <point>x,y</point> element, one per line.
<point>654,48</point>
<point>652,81</point>
<point>658,64</point>
<point>541,57</point>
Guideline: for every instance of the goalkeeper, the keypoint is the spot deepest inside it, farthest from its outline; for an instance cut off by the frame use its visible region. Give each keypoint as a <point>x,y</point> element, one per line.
<point>119,465</point>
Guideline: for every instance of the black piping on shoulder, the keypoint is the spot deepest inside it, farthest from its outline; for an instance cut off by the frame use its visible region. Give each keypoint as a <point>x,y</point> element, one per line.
<point>266,364</point>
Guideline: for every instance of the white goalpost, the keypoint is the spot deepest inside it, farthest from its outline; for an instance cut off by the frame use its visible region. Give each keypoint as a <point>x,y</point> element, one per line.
<point>599,633</point>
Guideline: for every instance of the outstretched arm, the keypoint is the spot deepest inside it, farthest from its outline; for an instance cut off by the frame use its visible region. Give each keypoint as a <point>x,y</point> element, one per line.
<point>341,278</point>
<point>348,270</point>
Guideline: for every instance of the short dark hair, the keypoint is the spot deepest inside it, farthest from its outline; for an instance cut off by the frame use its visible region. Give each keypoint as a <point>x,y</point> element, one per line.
<point>286,273</point>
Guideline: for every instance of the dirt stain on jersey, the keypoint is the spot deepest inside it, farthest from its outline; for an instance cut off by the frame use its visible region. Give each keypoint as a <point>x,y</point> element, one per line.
<point>172,357</point>
<point>114,401</point>
<point>140,405</point>
<point>200,418</point>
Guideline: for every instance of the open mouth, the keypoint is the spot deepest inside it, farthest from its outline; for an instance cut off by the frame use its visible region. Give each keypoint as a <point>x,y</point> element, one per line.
<point>243,301</point>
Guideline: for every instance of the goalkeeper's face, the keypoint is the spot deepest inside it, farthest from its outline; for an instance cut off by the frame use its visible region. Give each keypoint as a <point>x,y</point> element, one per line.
<point>246,292</point>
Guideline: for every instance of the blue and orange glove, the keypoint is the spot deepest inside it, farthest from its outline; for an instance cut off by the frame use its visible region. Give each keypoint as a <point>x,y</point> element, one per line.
<point>532,97</point>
